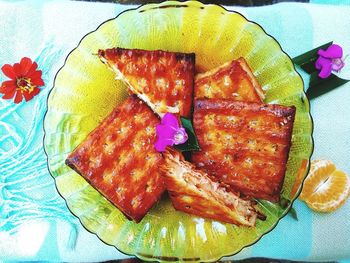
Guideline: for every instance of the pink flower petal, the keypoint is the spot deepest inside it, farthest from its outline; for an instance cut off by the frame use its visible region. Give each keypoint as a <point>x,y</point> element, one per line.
<point>325,67</point>
<point>169,132</point>
<point>162,144</point>
<point>337,64</point>
<point>170,119</point>
<point>165,137</point>
<point>321,62</point>
<point>180,136</point>
<point>165,132</point>
<point>333,51</point>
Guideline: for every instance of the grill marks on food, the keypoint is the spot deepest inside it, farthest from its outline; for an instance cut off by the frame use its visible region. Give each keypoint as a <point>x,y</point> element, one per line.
<point>232,80</point>
<point>118,159</point>
<point>244,144</point>
<point>164,80</point>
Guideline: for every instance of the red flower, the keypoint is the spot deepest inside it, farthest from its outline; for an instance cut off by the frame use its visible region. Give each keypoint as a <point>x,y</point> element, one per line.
<point>25,80</point>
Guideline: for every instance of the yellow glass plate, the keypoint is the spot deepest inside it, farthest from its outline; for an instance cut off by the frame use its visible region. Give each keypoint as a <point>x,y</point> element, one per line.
<point>85,91</point>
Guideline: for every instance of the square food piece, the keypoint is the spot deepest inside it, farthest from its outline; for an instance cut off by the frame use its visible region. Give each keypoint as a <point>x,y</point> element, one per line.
<point>194,192</point>
<point>118,159</point>
<point>244,144</point>
<point>232,80</point>
<point>164,80</point>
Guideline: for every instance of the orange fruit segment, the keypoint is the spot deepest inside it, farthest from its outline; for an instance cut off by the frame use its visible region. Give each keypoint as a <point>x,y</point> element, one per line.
<point>325,189</point>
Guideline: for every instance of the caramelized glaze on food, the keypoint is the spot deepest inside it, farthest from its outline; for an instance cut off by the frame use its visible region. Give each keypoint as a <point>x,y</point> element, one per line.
<point>244,144</point>
<point>164,80</point>
<point>232,80</point>
<point>194,192</point>
<point>118,158</point>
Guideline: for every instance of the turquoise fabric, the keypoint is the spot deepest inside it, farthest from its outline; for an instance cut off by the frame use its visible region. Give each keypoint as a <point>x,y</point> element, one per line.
<point>331,2</point>
<point>34,221</point>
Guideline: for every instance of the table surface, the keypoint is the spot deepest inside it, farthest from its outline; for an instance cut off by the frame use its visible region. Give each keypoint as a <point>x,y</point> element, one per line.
<point>221,2</point>
<point>49,31</point>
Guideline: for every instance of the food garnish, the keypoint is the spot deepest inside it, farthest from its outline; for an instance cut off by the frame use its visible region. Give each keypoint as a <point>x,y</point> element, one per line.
<point>325,188</point>
<point>329,60</point>
<point>169,132</point>
<point>25,80</point>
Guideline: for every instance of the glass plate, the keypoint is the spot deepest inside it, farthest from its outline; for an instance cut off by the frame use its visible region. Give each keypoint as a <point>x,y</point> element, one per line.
<point>85,91</point>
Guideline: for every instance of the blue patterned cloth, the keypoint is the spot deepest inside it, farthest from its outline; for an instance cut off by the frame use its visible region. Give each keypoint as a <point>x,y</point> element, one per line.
<point>34,221</point>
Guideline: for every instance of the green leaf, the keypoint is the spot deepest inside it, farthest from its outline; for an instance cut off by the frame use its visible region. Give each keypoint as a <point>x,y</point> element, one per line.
<point>307,60</point>
<point>284,203</point>
<point>192,143</point>
<point>316,86</point>
<point>293,213</point>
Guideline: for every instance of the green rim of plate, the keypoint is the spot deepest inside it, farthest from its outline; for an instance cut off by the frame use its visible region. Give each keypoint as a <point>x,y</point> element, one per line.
<point>85,91</point>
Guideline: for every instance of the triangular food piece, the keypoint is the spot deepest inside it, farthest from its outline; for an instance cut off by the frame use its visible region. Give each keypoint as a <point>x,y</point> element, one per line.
<point>118,159</point>
<point>164,80</point>
<point>193,192</point>
<point>232,80</point>
<point>244,144</point>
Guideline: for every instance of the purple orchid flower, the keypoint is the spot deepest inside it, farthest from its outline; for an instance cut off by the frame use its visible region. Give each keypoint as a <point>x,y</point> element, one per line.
<point>169,132</point>
<point>329,60</point>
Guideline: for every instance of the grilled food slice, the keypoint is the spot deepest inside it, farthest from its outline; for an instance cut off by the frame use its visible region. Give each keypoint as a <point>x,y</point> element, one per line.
<point>164,80</point>
<point>244,144</point>
<point>232,80</point>
<point>118,159</point>
<point>193,192</point>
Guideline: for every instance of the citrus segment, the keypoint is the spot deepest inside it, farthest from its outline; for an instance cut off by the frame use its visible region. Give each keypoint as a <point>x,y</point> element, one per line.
<point>319,171</point>
<point>325,188</point>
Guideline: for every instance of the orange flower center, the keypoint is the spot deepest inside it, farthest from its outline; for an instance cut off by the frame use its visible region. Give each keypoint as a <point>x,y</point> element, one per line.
<point>25,85</point>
